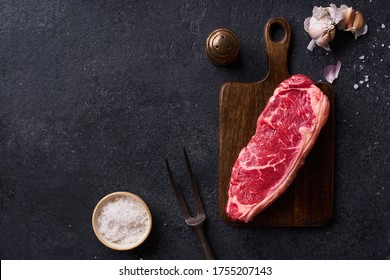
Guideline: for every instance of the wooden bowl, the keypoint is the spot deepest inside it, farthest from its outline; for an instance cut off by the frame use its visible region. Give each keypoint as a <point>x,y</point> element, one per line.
<point>109,244</point>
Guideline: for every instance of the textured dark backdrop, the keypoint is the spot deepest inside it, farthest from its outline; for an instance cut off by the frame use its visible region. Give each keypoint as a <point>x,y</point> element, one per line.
<point>95,94</point>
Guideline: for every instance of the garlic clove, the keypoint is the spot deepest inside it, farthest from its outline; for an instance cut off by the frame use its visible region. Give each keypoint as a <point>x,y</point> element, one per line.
<point>347,17</point>
<point>323,41</point>
<point>358,21</point>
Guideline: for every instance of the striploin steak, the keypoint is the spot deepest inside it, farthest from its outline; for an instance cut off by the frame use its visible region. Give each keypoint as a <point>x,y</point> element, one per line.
<point>286,131</point>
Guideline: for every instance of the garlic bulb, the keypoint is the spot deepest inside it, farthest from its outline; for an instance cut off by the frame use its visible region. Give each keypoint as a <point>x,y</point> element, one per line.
<point>321,26</point>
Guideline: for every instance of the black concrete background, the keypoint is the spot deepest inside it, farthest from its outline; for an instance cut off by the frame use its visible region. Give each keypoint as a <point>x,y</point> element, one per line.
<point>95,94</point>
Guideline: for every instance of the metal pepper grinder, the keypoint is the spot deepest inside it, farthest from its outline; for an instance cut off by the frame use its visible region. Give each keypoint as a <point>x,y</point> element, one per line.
<point>222,46</point>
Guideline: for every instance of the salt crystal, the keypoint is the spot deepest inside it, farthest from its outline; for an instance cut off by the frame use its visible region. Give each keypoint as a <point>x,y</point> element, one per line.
<point>368,85</point>
<point>355,86</point>
<point>123,220</point>
<point>361,82</point>
<point>361,57</point>
<point>383,45</point>
<point>365,78</point>
<point>383,26</point>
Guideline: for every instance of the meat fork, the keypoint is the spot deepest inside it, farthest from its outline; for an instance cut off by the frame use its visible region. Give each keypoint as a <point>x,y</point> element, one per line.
<point>195,222</point>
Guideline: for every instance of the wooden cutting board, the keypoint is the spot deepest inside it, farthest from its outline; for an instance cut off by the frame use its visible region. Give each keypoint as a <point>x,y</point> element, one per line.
<point>308,200</point>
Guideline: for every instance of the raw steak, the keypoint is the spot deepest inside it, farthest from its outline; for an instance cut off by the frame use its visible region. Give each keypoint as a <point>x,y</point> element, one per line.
<point>286,131</point>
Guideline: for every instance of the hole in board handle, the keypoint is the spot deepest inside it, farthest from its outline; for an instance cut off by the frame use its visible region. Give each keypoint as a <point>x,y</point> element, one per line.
<point>277,33</point>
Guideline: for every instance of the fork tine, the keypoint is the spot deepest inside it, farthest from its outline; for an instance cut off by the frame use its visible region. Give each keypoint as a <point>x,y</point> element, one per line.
<point>179,196</point>
<point>195,189</point>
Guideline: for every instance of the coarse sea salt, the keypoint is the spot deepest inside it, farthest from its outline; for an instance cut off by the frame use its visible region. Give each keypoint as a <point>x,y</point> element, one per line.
<point>123,220</point>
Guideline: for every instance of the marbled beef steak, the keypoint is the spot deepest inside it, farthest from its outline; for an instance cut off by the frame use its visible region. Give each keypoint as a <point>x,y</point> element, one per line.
<point>286,131</point>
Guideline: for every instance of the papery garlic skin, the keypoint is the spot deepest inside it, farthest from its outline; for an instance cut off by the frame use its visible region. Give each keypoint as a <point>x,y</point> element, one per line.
<point>361,31</point>
<point>331,72</point>
<point>335,14</point>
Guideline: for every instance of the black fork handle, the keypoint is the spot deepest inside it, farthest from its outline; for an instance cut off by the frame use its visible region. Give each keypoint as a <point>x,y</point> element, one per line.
<point>200,233</point>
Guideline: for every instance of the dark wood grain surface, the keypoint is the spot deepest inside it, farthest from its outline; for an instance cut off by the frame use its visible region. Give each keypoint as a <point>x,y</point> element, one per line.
<point>308,200</point>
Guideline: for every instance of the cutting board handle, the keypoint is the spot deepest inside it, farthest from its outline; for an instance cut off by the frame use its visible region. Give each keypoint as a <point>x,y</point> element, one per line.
<point>277,51</point>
